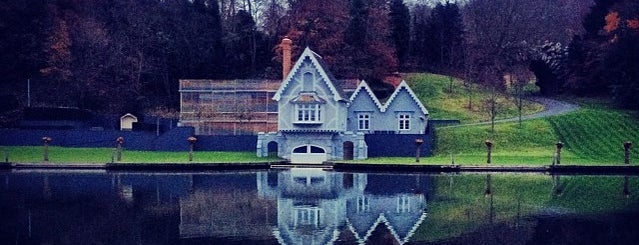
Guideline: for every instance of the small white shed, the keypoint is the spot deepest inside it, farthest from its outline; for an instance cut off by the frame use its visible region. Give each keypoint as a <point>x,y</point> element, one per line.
<point>126,122</point>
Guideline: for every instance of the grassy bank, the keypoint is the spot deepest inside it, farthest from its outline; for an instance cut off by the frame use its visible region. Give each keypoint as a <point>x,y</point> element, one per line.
<point>444,101</point>
<point>34,154</point>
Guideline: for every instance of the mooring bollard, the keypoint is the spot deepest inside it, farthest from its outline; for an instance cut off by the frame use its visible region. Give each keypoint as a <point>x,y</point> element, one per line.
<point>191,141</point>
<point>489,149</point>
<point>119,141</point>
<point>46,140</point>
<point>418,143</point>
<point>559,145</point>
<point>626,151</point>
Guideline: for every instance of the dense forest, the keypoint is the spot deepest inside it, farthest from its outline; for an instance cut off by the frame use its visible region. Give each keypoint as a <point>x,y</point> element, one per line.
<point>117,56</point>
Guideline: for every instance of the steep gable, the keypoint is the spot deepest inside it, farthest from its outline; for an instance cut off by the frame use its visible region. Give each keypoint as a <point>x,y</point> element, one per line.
<point>404,88</point>
<point>364,90</point>
<point>316,61</point>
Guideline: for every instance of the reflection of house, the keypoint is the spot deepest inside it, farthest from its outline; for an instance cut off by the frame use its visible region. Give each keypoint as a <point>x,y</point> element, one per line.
<point>317,207</point>
<point>318,122</point>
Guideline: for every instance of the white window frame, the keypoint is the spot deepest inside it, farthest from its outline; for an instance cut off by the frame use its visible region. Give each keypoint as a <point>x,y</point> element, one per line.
<point>363,121</point>
<point>403,204</point>
<point>404,121</point>
<point>363,204</point>
<point>308,113</point>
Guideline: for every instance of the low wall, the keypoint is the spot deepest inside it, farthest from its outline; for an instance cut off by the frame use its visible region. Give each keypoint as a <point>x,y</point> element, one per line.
<point>398,145</point>
<point>226,143</point>
<point>173,140</point>
<point>393,145</point>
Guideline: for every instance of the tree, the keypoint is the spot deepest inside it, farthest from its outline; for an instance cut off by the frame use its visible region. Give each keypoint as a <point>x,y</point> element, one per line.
<point>400,30</point>
<point>446,30</point>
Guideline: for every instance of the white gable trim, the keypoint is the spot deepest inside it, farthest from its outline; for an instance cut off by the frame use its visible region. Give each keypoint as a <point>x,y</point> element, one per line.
<point>313,57</point>
<point>403,84</point>
<point>364,86</point>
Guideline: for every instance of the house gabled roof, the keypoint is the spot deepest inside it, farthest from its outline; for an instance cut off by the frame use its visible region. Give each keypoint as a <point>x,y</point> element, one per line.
<point>363,87</point>
<point>404,85</point>
<point>316,60</point>
<point>381,219</point>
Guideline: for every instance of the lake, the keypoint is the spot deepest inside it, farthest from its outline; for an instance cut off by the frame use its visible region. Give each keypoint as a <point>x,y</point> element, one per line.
<point>311,206</point>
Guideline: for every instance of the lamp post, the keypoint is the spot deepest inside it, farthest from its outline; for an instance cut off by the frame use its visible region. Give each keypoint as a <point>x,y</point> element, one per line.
<point>418,144</point>
<point>191,141</point>
<point>46,140</point>
<point>119,142</point>
<point>626,151</point>
<point>489,149</point>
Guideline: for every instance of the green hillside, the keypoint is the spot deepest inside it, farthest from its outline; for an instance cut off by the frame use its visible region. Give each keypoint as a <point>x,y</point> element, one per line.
<point>444,101</point>
<point>592,135</point>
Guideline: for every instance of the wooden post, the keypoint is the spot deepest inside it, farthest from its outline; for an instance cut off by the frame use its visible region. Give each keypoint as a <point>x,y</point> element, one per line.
<point>119,141</point>
<point>191,141</point>
<point>626,151</point>
<point>558,154</point>
<point>489,149</point>
<point>418,143</point>
<point>46,140</point>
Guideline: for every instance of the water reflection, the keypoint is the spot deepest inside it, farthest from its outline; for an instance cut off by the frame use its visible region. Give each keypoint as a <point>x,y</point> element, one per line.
<point>314,207</point>
<point>318,207</point>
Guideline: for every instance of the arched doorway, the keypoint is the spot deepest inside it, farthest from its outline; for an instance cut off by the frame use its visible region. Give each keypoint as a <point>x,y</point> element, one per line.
<point>308,154</point>
<point>348,150</point>
<point>272,149</point>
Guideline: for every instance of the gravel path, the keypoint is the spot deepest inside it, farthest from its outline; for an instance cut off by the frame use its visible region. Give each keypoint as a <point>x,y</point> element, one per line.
<point>551,108</point>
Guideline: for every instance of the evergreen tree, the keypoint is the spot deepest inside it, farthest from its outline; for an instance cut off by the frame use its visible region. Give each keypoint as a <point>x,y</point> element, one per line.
<point>400,29</point>
<point>446,31</point>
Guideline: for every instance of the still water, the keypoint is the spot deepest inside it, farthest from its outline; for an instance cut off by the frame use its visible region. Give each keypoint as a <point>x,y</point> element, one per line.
<point>315,207</point>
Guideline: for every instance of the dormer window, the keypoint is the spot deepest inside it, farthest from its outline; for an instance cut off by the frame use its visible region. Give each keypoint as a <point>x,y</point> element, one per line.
<point>308,108</point>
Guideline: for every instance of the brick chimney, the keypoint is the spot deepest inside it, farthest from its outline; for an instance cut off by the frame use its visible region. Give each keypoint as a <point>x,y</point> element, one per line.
<point>286,56</point>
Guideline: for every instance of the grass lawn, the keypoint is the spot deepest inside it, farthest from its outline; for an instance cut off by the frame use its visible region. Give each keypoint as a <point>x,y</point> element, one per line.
<point>34,154</point>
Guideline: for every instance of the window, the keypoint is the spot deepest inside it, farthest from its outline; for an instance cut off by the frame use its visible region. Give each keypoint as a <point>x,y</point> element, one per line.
<point>308,216</point>
<point>403,204</point>
<point>363,121</point>
<point>362,204</point>
<point>308,113</point>
<point>404,121</point>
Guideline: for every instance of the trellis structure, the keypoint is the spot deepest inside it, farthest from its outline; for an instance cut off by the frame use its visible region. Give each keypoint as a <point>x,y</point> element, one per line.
<point>233,107</point>
<point>215,107</point>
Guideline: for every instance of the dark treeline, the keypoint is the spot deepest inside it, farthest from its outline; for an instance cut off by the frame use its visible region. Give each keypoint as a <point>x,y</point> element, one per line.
<point>127,56</point>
